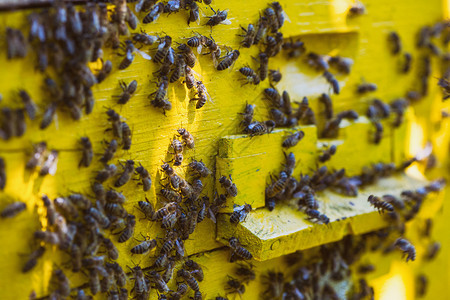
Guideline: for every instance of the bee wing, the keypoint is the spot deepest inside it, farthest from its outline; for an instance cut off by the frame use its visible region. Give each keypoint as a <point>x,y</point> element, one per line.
<point>226,22</point>
<point>286,17</point>
<point>52,170</point>
<point>143,54</point>
<point>138,6</point>
<point>199,49</point>
<point>180,247</point>
<point>242,215</point>
<point>238,208</point>
<point>211,216</point>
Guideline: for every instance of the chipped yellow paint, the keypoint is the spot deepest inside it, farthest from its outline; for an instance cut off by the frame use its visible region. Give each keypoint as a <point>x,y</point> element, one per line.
<point>325,28</point>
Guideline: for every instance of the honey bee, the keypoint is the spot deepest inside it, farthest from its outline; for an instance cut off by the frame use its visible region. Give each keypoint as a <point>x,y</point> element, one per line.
<point>356,9</point>
<point>247,115</point>
<point>383,109</point>
<point>194,13</point>
<point>167,275</point>
<point>240,213</point>
<point>366,87</point>
<point>188,55</point>
<point>160,284</point>
<point>174,196</point>
<point>112,251</point>
<point>164,211</point>
<point>17,46</point>
<point>161,261</point>
<point>274,44</point>
<point>144,5</point>
<point>239,252</point>
<point>407,61</point>
<point>249,36</point>
<point>380,204</point>
<point>178,72</point>
<point>219,17</point>
<point>189,77</point>
<point>50,164</point>
<point>261,30</point>
<point>273,96</point>
<point>260,128</point>
<point>104,71</point>
<point>154,13</point>
<point>342,64</point>
<point>228,185</point>
<point>49,113</point>
<point>109,151</point>
<point>32,259</point>
<point>99,215</point>
<point>113,196</point>
<point>192,218</point>
<point>188,138</point>
<point>66,207</point>
<point>182,289</point>
<point>293,139</point>
<point>428,227</point>
<point>200,168</point>
<point>114,117</point>
<point>317,61</point>
<point>432,250</point>
<point>169,221</point>
<point>202,95</point>
<point>144,247</point>
<point>395,42</point>
<point>203,209</point>
<point>413,96</point>
<point>87,151</point>
<point>131,19</point>
<point>127,233</point>
<point>128,170</point>
<point>174,178</point>
<point>119,274</point>
<point>326,155</point>
<point>163,49</point>
<point>141,287</point>
<point>129,56</point>
<point>159,100</point>
<point>37,30</point>
<point>128,91</point>
<point>332,81</point>
<point>408,249</point>
<point>250,75</point>
<point>234,286</point>
<point>214,208</point>
<point>422,285</point>
<point>115,209</point>
<point>315,214</point>
<point>228,60</point>
<point>30,106</point>
<point>51,212</point>
<point>2,174</point>
<point>144,38</point>
<point>378,132</point>
<point>274,76</point>
<point>145,177</point>
<point>279,117</point>
<point>189,279</point>
<point>47,237</point>
<point>62,282</point>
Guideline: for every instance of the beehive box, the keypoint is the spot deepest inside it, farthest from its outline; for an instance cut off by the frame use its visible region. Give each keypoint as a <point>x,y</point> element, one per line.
<point>325,28</point>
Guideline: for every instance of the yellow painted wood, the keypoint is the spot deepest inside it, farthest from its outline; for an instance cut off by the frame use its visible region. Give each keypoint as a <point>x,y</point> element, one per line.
<point>257,158</point>
<point>324,28</point>
<point>286,230</point>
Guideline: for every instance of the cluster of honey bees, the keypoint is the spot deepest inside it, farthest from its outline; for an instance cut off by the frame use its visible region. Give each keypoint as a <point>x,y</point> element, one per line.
<point>65,40</point>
